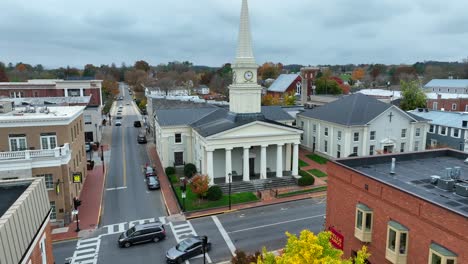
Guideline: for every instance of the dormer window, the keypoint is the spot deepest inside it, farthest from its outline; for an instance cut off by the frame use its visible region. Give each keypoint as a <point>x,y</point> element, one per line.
<point>464,123</point>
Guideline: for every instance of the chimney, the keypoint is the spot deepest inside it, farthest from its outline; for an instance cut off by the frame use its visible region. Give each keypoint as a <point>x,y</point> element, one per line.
<point>439,96</point>
<point>392,167</point>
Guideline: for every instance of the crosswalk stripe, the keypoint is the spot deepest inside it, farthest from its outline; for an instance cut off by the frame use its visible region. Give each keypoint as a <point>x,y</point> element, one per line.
<point>89,261</point>
<point>84,256</point>
<point>83,251</point>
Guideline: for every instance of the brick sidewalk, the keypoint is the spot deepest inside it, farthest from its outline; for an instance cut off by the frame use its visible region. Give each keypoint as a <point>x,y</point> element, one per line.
<point>313,165</point>
<point>91,198</point>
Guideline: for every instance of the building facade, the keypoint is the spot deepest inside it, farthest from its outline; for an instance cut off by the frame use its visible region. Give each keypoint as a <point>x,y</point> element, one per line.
<point>448,102</point>
<point>406,213</point>
<point>454,86</point>
<point>47,143</point>
<point>308,75</point>
<point>25,222</point>
<point>447,129</point>
<point>286,83</point>
<point>359,125</point>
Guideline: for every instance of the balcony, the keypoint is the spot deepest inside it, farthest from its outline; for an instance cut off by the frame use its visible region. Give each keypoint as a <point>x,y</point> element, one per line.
<point>35,158</point>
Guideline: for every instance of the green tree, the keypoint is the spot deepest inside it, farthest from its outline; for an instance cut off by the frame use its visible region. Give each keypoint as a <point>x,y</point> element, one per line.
<point>325,85</point>
<point>3,76</point>
<point>309,248</point>
<point>412,95</point>
<point>89,71</point>
<point>289,99</point>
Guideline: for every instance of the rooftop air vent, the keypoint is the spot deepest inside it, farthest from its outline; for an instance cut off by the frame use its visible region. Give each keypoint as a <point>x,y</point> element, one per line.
<point>434,179</point>
<point>461,189</point>
<point>446,184</point>
<point>392,167</point>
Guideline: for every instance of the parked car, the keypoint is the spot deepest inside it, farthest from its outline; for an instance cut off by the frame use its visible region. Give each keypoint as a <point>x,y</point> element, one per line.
<point>149,171</point>
<point>152,183</point>
<point>118,123</point>
<point>142,233</point>
<point>186,249</point>
<point>141,138</point>
<point>119,117</point>
<point>137,124</point>
<point>127,103</point>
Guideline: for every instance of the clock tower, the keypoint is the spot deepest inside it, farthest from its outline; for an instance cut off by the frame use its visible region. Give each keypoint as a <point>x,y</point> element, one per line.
<point>245,94</point>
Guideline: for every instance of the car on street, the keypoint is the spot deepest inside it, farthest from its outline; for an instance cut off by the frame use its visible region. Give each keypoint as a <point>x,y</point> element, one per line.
<point>141,138</point>
<point>149,232</point>
<point>127,103</point>
<point>152,183</point>
<point>186,249</point>
<point>118,123</point>
<point>149,171</point>
<point>137,124</point>
<point>119,117</point>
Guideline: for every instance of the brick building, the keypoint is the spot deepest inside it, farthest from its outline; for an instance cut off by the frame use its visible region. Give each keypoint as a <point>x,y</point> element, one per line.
<point>48,143</point>
<point>308,75</point>
<point>286,83</point>
<point>25,222</point>
<point>448,102</point>
<point>417,214</point>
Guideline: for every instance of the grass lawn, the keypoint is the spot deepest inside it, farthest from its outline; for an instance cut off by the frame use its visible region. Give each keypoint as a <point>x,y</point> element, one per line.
<point>317,158</point>
<point>193,203</point>
<point>318,189</point>
<point>303,163</point>
<point>318,173</point>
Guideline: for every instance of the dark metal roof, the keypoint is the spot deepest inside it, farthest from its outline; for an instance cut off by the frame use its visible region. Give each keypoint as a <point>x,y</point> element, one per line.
<point>413,172</point>
<point>356,109</point>
<point>9,193</point>
<point>182,116</point>
<point>276,113</point>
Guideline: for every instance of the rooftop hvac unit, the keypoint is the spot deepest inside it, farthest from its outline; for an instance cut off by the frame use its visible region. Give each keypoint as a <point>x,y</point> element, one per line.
<point>461,189</point>
<point>446,184</point>
<point>434,179</point>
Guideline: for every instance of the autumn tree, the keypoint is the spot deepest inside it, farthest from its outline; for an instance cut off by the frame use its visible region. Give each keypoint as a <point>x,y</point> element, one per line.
<point>358,74</point>
<point>270,99</point>
<point>205,77</point>
<point>270,70</point>
<point>289,99</point>
<point>142,65</point>
<point>200,184</point>
<point>89,70</point>
<point>3,76</point>
<point>412,95</point>
<point>311,249</point>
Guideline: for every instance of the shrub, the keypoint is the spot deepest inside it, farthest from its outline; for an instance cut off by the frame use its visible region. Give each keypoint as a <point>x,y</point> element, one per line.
<point>243,258</point>
<point>304,173</point>
<point>214,193</point>
<point>189,170</point>
<point>173,178</point>
<point>306,180</point>
<point>170,171</point>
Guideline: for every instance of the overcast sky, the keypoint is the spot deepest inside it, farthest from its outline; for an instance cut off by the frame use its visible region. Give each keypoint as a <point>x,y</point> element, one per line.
<point>63,32</point>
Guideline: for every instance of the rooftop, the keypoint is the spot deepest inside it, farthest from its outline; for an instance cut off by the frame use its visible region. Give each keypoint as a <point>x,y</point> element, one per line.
<point>40,114</point>
<point>452,83</point>
<point>283,82</point>
<point>413,173</point>
<point>9,193</point>
<point>40,101</point>
<point>443,118</point>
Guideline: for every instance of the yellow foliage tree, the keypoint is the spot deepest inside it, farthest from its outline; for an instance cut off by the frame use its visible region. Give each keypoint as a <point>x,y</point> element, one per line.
<point>311,249</point>
<point>270,99</point>
<point>358,74</point>
<point>289,99</point>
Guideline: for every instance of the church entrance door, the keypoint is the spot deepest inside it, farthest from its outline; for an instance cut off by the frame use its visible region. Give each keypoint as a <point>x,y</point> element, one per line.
<point>252,166</point>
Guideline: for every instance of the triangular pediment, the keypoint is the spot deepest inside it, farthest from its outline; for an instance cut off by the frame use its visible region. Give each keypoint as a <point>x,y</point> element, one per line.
<point>257,129</point>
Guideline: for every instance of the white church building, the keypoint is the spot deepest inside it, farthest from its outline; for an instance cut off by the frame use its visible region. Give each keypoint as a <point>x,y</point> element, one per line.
<point>246,139</point>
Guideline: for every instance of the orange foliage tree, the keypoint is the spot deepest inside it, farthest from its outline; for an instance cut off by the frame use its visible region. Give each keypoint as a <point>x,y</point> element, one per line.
<point>200,184</point>
<point>358,74</point>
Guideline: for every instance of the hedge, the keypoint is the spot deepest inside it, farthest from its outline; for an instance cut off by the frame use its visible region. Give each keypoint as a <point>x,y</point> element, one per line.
<point>214,193</point>
<point>170,171</point>
<point>306,180</point>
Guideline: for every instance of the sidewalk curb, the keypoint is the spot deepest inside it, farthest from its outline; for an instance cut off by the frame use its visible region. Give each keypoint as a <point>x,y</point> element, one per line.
<point>210,214</point>
<point>66,239</point>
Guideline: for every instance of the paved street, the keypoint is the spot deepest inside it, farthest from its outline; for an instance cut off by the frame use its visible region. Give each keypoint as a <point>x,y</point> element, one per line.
<point>127,202</point>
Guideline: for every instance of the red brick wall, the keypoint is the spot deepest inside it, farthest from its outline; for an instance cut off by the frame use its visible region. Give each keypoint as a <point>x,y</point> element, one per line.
<point>36,254</point>
<point>95,96</point>
<point>34,92</point>
<point>291,88</point>
<point>426,222</point>
<point>447,104</point>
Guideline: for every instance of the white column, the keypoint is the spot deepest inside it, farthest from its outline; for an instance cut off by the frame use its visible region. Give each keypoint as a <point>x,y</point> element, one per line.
<point>246,173</point>
<point>279,161</point>
<point>295,164</point>
<point>81,92</point>
<point>209,165</point>
<point>228,164</point>
<point>263,162</point>
<point>365,137</point>
<point>288,157</point>
<point>66,92</point>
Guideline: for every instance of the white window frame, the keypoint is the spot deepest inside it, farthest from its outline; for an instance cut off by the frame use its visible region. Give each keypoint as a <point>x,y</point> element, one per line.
<point>453,132</point>
<point>175,138</point>
<point>338,150</point>
<point>402,147</point>
<point>466,108</point>
<point>454,106</point>
<point>43,249</point>
<point>440,131</point>
<point>357,150</point>
<point>396,255</point>
<point>314,128</point>
<point>371,150</point>
<point>339,135</point>
<point>432,129</point>
<point>325,146</point>
<point>325,131</point>
<point>372,135</point>
<point>418,132</point>
<point>48,180</point>
<point>53,211</point>
<point>18,144</point>
<point>435,106</point>
<point>88,119</point>
<point>48,138</point>
<point>416,146</point>
<point>443,253</point>
<point>354,137</point>
<point>361,229</point>
<point>403,133</point>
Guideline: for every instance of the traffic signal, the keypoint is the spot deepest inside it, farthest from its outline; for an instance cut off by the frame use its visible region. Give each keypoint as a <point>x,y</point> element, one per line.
<point>204,240</point>
<point>76,203</point>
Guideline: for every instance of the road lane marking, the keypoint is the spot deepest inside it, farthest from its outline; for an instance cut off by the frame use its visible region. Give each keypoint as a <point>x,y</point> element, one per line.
<point>124,159</point>
<point>279,223</point>
<point>117,188</point>
<point>224,234</point>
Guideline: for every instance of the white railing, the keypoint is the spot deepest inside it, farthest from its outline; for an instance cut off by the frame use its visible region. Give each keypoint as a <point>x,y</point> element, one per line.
<point>31,154</point>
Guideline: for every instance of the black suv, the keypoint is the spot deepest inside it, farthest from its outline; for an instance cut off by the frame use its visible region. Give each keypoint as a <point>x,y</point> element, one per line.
<point>137,124</point>
<point>141,138</point>
<point>142,233</point>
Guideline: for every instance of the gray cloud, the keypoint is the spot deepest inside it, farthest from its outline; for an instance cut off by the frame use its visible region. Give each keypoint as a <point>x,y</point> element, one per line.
<point>59,33</point>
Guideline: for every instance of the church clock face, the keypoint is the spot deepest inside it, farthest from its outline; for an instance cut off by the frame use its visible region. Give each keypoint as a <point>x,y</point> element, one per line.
<point>248,75</point>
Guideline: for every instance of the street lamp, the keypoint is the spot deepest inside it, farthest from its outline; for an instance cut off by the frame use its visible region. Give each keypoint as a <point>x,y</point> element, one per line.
<point>95,125</point>
<point>102,157</point>
<point>230,181</point>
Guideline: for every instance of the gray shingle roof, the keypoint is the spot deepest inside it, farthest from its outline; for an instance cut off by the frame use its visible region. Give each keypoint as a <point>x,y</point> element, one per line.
<point>276,113</point>
<point>356,109</point>
<point>181,116</point>
<point>282,83</point>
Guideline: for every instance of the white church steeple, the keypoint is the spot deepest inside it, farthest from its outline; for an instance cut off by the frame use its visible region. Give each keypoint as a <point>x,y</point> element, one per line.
<point>244,93</point>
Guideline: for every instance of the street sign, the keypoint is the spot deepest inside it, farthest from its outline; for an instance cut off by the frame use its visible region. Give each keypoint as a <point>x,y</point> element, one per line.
<point>77,177</point>
<point>184,195</point>
<point>74,212</point>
